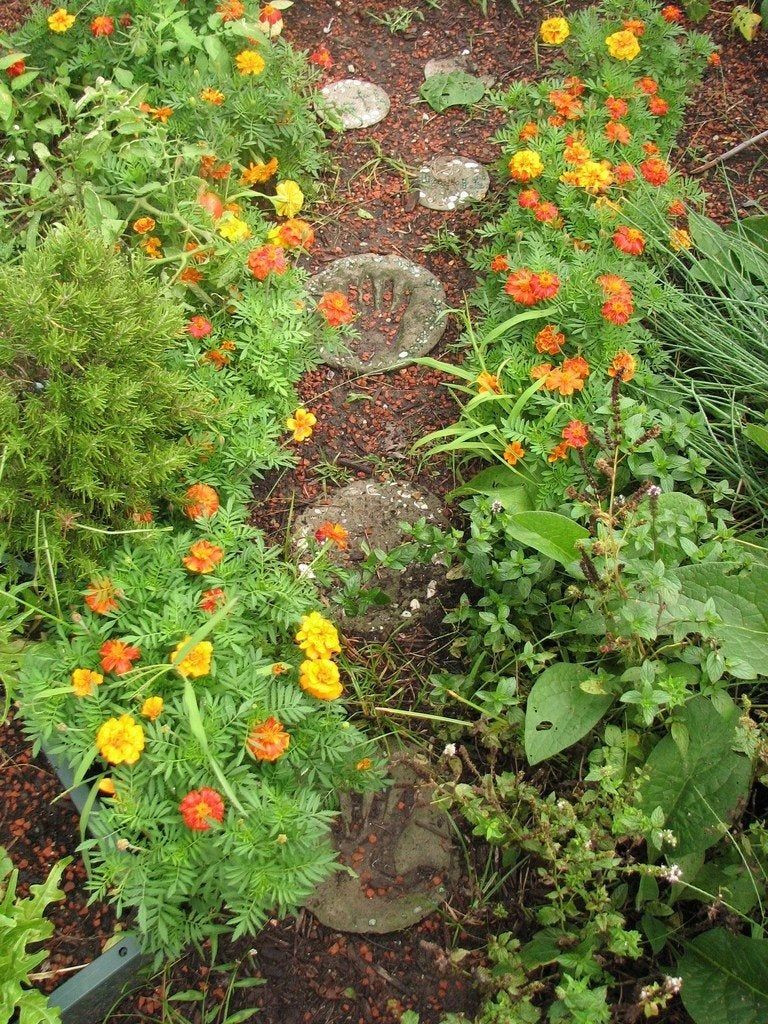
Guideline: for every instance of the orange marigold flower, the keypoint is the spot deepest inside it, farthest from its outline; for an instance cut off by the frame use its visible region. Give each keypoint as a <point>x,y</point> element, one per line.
<point>144,225</point>
<point>556,121</point>
<point>142,516</point>
<point>266,260</point>
<point>364,764</point>
<point>85,681</point>
<point>199,327</point>
<point>528,199</point>
<point>648,85</point>
<point>231,10</point>
<point>680,239</point>
<point>594,176</point>
<point>542,370</point>
<point>549,340</point>
<point>575,151</point>
<point>714,60</point>
<point>629,240</point>
<point>650,148</point>
<point>102,25</point>
<point>488,383</point>
<point>624,173</point>
<point>657,106</point>
<point>293,234</point>
<point>190,275</point>
<point>118,656</point>
<point>513,453</point>
<point>321,58</point>
<point>574,85</point>
<point>676,208</point>
<point>162,114</point>
<point>214,96</point>
<point>529,131</point>
<point>566,104</point>
<point>200,500</point>
<point>612,284</point>
<point>637,28</point>
<point>577,365</point>
<point>219,358</point>
<point>521,286</point>
<point>545,213</point>
<point>152,708</point>
<point>267,741</point>
<point>615,131</point>
<point>617,108</point>
<point>547,284</point>
<point>560,451</point>
<point>101,596</point>
<point>333,532</point>
<point>672,14</point>
<point>500,264</point>
<point>256,173</point>
<point>212,600</point>
<point>153,247</point>
<point>302,423</point>
<point>200,807</point>
<point>618,310</point>
<point>655,171</point>
<point>622,365</point>
<point>203,556</point>
<point>576,434</point>
<point>336,309</point>
<point>564,380</point>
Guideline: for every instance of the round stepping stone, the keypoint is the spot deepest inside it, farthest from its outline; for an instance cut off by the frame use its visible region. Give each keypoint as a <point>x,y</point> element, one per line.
<point>399,846</point>
<point>399,307</point>
<point>371,513</point>
<point>452,182</point>
<point>357,104</point>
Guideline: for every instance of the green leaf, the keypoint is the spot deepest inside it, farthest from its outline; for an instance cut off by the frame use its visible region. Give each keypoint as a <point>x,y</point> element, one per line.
<point>11,58</point>
<point>550,533</point>
<point>697,10</point>
<point>454,89</point>
<point>41,184</point>
<point>742,604</point>
<point>725,979</point>
<point>559,712</point>
<point>746,21</point>
<point>500,484</point>
<point>700,790</point>
<point>6,104</point>
<point>758,435</point>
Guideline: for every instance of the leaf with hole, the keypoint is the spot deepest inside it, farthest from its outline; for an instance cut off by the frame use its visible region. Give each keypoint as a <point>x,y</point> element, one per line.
<point>560,712</point>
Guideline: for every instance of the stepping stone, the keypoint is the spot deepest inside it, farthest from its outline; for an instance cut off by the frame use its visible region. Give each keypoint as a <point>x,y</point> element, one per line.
<point>447,65</point>
<point>452,182</point>
<point>357,104</point>
<point>408,869</point>
<point>371,512</point>
<point>399,307</point>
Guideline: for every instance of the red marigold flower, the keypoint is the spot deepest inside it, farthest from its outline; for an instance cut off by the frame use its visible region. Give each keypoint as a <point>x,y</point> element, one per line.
<point>118,656</point>
<point>101,595</point>
<point>102,25</point>
<point>648,85</point>
<point>333,532</point>
<point>513,453</point>
<point>617,108</point>
<point>615,131</point>
<point>336,309</point>
<point>321,58</point>
<point>657,106</point>
<point>545,213</point>
<point>191,275</point>
<point>17,68</point>
<point>629,240</point>
<point>266,260</point>
<point>547,284</point>
<point>500,264</point>
<point>672,14</point>
<point>270,15</point>
<point>200,500</point>
<point>618,310</point>
<point>211,600</point>
<point>622,365</point>
<point>200,807</point>
<point>528,198</point>
<point>549,340</point>
<point>203,556</point>
<point>267,741</point>
<point>576,434</point>
<point>676,208</point>
<point>199,327</point>
<point>293,233</point>
<point>655,171</point>
<point>521,286</point>
<point>624,173</point>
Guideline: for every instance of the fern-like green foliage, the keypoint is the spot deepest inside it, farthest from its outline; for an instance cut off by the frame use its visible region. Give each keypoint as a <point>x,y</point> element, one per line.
<point>93,413</point>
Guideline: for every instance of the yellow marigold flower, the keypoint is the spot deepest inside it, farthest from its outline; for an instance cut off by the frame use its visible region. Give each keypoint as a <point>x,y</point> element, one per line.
<point>680,239</point>
<point>592,176</point>
<point>488,383</point>
<point>214,96</point>
<point>153,247</point>
<point>144,225</point>
<point>525,165</point>
<point>233,229</point>
<point>320,679</point>
<point>259,172</point>
<point>61,20</point>
<point>288,199</point>
<point>576,153</point>
<point>318,637</point>
<point>364,765</point>
<point>302,424</point>
<point>85,681</point>
<point>623,45</point>
<point>107,787</point>
<point>196,662</point>
<point>120,740</point>
<point>152,708</point>
<point>249,62</point>
<point>554,31</point>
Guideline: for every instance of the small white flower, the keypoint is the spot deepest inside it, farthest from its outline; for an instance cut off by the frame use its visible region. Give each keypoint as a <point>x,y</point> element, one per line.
<point>673,985</point>
<point>449,750</point>
<point>673,873</point>
<point>306,571</point>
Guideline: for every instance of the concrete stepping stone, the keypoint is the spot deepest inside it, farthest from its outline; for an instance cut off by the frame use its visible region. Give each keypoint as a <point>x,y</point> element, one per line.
<point>371,512</point>
<point>400,310</point>
<point>356,103</point>
<point>452,182</point>
<point>399,846</point>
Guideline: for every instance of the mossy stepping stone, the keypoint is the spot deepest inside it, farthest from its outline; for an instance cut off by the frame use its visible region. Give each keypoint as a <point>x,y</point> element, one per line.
<point>371,513</point>
<point>398,844</point>
<point>451,182</point>
<point>356,103</point>
<point>400,310</point>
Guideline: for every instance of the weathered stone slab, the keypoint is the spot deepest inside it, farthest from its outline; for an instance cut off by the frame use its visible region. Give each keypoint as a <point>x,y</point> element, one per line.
<point>452,182</point>
<point>357,104</point>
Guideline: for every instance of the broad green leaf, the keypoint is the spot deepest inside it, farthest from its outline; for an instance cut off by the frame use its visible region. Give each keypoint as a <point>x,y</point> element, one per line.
<point>559,712</point>
<point>756,230</point>
<point>11,58</point>
<point>725,979</point>
<point>742,604</point>
<point>746,21</point>
<point>41,184</point>
<point>550,533</point>
<point>758,435</point>
<point>500,484</point>
<point>454,89</point>
<point>697,10</point>
<point>6,104</point>
<point>699,791</point>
